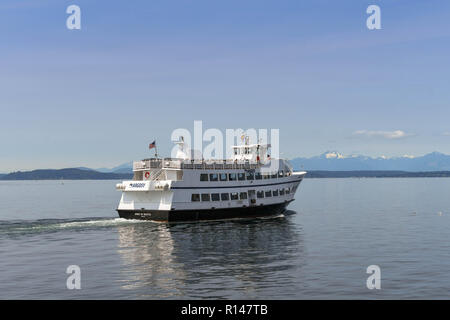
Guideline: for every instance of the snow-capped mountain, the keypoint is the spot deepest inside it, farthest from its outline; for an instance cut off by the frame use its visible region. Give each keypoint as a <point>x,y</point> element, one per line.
<point>332,160</point>
<point>332,155</point>
<point>335,161</point>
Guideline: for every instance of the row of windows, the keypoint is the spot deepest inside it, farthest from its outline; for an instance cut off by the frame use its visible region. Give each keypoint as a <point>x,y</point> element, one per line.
<point>240,195</point>
<point>241,176</point>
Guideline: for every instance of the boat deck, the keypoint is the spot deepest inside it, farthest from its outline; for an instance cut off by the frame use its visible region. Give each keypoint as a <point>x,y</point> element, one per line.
<point>170,163</point>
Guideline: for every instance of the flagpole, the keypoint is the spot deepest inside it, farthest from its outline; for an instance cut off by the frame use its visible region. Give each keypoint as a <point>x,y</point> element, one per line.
<point>153,145</point>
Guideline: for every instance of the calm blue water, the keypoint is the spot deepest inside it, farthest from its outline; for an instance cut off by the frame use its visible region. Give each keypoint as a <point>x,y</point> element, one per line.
<point>336,229</point>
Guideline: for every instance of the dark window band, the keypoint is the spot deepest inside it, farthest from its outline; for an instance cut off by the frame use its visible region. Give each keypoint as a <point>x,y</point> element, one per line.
<point>246,186</point>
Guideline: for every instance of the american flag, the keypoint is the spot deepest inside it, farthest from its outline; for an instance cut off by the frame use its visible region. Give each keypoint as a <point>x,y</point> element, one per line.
<point>152,145</point>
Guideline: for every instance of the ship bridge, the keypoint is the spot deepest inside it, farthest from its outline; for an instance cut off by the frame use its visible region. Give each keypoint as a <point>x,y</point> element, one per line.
<point>251,152</point>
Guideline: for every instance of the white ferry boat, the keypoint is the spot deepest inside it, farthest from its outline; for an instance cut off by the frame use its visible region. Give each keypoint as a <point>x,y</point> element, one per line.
<point>182,189</point>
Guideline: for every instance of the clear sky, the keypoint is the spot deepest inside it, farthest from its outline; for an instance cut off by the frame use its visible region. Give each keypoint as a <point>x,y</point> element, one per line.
<point>139,69</point>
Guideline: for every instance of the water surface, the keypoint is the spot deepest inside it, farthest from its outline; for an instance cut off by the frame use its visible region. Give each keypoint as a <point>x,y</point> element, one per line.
<point>320,249</point>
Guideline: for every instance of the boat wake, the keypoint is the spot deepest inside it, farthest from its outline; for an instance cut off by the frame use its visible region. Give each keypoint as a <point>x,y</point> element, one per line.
<point>19,227</point>
<point>26,227</point>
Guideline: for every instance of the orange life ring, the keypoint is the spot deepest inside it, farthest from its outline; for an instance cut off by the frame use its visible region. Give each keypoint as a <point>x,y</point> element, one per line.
<point>147,174</point>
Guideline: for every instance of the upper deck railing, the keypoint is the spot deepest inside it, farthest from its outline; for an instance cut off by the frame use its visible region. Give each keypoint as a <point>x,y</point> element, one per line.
<point>155,163</point>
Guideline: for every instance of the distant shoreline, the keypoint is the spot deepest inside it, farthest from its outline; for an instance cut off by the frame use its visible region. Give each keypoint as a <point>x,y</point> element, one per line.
<point>64,174</point>
<point>82,174</point>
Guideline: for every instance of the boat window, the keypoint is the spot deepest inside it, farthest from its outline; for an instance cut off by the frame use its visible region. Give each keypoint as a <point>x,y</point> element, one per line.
<point>213,177</point>
<point>225,196</point>
<point>280,174</point>
<point>235,151</point>
<point>274,175</point>
<point>268,193</point>
<point>234,196</point>
<point>266,176</point>
<point>281,192</point>
<point>215,197</point>
<point>243,195</point>
<point>223,177</point>
<point>258,176</point>
<point>275,193</point>
<point>287,191</point>
<point>250,175</point>
<point>195,197</point>
<point>203,177</point>
<point>205,196</point>
<point>232,177</point>
<point>260,194</point>
<point>241,176</point>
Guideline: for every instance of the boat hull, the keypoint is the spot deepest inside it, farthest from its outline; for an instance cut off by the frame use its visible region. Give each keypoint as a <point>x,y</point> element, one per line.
<point>209,214</point>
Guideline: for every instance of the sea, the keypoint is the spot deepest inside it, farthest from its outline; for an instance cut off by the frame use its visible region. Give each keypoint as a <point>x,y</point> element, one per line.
<point>369,238</point>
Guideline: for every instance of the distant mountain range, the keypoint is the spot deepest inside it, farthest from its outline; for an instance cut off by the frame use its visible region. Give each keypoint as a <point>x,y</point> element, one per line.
<point>328,164</point>
<point>376,174</point>
<point>123,168</point>
<point>334,161</point>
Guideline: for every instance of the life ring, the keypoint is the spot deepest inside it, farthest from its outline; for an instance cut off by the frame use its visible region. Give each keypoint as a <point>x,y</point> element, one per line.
<point>147,174</point>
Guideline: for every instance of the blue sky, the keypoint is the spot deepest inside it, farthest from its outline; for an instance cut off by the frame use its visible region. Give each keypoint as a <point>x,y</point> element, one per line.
<point>138,70</point>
